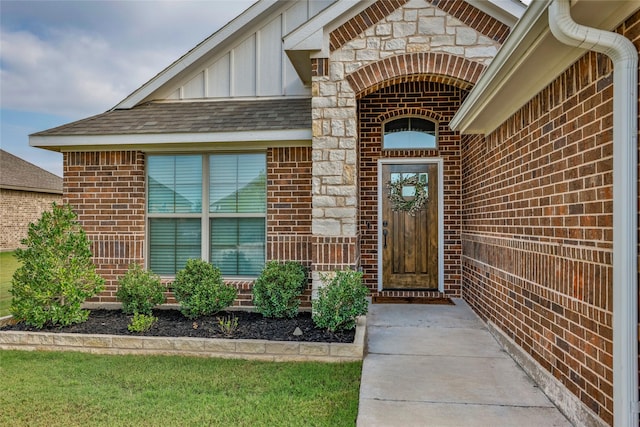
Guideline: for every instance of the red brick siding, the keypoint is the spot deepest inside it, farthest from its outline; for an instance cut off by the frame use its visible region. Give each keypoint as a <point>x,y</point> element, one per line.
<point>430,100</point>
<point>537,214</point>
<point>19,209</point>
<point>359,23</point>
<point>474,18</point>
<point>437,67</point>
<point>319,67</point>
<point>460,9</point>
<point>289,207</point>
<point>107,191</point>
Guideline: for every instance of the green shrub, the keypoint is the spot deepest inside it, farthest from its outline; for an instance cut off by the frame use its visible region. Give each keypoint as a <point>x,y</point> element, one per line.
<point>140,290</point>
<point>56,275</point>
<point>340,301</point>
<point>228,325</point>
<point>277,290</point>
<point>200,291</point>
<point>141,322</point>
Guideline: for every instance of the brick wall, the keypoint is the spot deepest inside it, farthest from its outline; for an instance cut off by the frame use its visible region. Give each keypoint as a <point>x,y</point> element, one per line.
<point>19,209</point>
<point>107,192</point>
<point>289,207</point>
<point>389,43</point>
<point>537,239</point>
<point>431,100</point>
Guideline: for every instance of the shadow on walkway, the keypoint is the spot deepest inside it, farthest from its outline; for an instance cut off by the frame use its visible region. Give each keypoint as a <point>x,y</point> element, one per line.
<point>438,365</point>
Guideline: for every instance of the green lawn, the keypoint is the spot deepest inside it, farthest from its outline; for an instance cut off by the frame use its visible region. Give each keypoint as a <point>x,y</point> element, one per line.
<point>75,389</point>
<point>8,264</point>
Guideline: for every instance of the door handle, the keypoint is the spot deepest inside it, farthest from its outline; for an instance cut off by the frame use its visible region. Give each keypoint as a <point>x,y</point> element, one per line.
<point>384,233</point>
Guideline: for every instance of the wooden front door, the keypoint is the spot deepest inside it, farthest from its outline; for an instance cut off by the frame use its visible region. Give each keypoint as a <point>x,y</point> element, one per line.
<point>409,243</point>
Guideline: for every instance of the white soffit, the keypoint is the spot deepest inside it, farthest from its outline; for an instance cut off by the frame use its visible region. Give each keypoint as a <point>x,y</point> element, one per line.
<point>530,59</point>
<point>506,11</point>
<point>234,140</point>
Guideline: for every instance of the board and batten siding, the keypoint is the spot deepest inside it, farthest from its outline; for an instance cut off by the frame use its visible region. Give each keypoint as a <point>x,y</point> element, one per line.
<point>255,66</point>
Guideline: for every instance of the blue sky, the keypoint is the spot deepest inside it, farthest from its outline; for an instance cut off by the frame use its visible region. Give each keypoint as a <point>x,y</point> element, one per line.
<point>62,61</point>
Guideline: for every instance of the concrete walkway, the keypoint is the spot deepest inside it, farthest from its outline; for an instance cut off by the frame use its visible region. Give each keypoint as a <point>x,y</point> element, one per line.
<point>437,365</point>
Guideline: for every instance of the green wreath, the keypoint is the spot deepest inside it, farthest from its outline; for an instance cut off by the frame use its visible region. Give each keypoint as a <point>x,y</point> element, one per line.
<point>399,203</point>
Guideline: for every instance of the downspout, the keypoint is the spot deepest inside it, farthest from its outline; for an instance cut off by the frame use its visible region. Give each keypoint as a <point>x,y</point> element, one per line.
<point>625,199</point>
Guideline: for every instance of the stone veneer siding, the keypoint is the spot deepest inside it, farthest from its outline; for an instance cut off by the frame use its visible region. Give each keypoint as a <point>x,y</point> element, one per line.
<point>19,209</point>
<point>434,101</point>
<point>372,45</point>
<point>538,224</point>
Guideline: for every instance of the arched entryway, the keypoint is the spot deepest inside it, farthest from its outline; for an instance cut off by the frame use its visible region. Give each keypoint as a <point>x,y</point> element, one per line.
<point>427,258</point>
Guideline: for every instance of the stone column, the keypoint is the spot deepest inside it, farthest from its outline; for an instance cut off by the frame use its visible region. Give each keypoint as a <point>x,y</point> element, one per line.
<point>335,171</point>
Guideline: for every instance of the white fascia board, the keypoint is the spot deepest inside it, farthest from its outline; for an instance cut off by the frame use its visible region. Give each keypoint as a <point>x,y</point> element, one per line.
<point>529,60</point>
<point>115,141</point>
<point>306,36</point>
<point>489,83</point>
<point>313,42</point>
<point>506,11</point>
<point>311,39</point>
<point>238,24</point>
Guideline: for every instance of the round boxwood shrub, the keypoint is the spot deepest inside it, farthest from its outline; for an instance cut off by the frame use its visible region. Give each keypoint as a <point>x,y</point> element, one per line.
<point>340,301</point>
<point>56,274</point>
<point>200,290</point>
<point>276,292</point>
<point>140,291</point>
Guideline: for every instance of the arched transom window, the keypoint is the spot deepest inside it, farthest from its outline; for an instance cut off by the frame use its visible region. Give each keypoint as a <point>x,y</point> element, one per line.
<point>410,133</point>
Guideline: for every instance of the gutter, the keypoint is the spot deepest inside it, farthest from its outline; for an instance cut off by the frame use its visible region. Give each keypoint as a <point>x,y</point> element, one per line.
<point>625,199</point>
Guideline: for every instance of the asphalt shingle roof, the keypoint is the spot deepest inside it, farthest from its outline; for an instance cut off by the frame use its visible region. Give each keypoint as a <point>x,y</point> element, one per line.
<point>194,117</point>
<point>18,174</point>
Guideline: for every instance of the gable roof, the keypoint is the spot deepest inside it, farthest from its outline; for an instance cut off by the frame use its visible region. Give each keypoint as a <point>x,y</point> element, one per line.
<point>18,174</point>
<point>197,116</point>
<point>192,57</point>
<point>310,38</point>
<point>139,119</point>
<point>188,122</point>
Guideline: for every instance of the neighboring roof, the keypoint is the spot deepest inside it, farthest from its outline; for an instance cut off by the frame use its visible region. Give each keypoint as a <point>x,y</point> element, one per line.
<point>530,59</point>
<point>194,117</point>
<point>18,174</point>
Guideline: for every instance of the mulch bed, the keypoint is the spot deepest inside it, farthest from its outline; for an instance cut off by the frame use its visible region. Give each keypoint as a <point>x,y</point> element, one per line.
<point>171,323</point>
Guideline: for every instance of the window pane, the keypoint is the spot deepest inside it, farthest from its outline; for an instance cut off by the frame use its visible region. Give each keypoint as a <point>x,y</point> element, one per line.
<point>252,183</point>
<point>410,132</point>
<point>237,183</point>
<point>222,183</point>
<point>172,241</point>
<point>175,184</point>
<point>238,245</point>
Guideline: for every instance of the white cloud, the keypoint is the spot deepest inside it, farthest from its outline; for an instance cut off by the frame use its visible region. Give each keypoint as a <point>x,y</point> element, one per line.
<point>86,60</point>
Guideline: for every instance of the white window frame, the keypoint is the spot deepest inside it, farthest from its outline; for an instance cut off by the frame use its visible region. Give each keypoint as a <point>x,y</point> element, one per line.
<point>205,216</point>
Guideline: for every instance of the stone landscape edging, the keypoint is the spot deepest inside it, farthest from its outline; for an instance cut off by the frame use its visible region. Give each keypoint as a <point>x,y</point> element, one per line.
<point>264,350</point>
